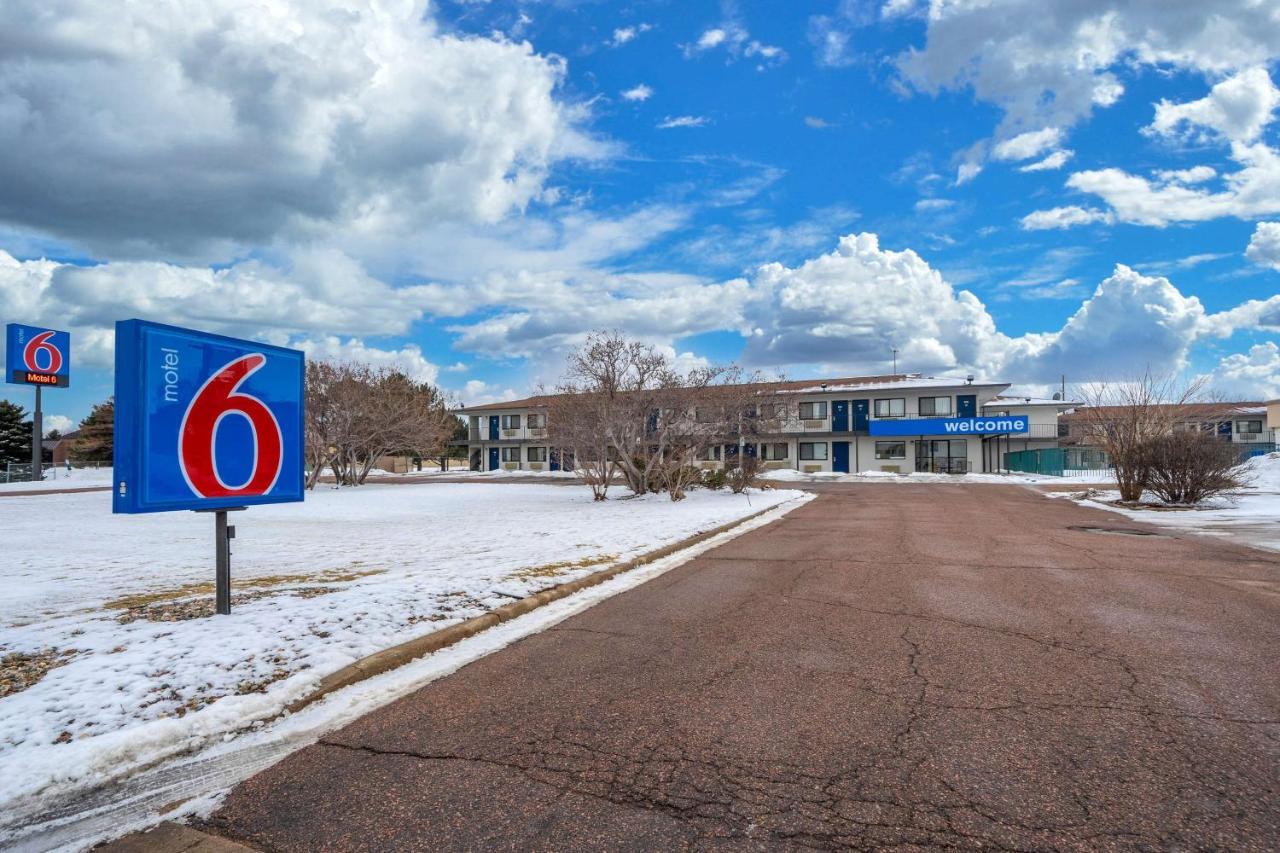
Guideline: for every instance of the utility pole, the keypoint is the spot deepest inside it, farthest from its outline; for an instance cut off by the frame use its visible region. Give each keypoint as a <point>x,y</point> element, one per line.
<point>895,361</point>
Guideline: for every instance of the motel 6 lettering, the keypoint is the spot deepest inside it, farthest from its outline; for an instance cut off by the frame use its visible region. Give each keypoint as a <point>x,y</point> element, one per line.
<point>994,425</point>
<point>204,421</point>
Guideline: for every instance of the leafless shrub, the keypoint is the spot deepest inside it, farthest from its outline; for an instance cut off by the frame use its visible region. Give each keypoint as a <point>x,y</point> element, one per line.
<point>1123,418</point>
<point>1190,466</point>
<point>745,475</point>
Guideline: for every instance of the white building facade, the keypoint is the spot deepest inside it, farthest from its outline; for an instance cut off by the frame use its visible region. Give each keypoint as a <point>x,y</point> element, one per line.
<point>895,424</point>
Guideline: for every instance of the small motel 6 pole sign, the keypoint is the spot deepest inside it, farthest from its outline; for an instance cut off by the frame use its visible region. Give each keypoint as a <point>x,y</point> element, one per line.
<point>205,423</point>
<point>40,357</point>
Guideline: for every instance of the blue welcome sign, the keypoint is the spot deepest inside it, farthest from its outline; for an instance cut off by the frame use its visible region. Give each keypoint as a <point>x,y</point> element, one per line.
<point>1003,424</point>
<point>204,421</point>
<point>37,356</point>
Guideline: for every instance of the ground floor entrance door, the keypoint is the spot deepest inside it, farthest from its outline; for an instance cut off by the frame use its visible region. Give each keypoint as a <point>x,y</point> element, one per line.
<point>493,459</point>
<point>943,456</point>
<point>840,456</point>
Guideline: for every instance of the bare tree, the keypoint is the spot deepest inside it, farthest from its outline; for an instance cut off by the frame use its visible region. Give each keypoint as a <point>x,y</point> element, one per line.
<point>1124,418</point>
<point>357,414</point>
<point>625,407</point>
<point>1189,466</point>
<point>575,429</point>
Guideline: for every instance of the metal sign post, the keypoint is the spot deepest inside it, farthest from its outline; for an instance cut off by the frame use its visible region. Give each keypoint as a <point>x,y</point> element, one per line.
<point>223,533</point>
<point>37,442</point>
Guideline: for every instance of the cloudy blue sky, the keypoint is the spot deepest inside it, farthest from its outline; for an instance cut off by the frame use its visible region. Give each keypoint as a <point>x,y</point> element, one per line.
<point>1015,188</point>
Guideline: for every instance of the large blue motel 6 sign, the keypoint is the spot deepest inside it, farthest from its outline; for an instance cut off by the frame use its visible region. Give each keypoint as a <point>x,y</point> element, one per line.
<point>1002,425</point>
<point>37,356</point>
<point>204,422</point>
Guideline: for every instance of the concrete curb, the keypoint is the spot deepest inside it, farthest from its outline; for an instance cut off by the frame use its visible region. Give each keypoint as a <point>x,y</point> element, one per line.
<point>396,656</point>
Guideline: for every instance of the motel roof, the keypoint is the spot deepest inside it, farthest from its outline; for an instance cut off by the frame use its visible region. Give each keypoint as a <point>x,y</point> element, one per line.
<point>1206,410</point>
<point>889,382</point>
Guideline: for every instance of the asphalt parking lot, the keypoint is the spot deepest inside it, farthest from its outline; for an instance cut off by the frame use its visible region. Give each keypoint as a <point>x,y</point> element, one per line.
<point>909,667</point>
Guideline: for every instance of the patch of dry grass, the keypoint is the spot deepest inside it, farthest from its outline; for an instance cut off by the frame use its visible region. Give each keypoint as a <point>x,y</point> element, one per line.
<point>20,670</point>
<point>189,600</point>
<point>551,570</point>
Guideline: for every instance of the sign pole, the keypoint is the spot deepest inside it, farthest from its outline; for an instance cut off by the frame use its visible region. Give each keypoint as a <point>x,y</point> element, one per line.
<point>222,541</point>
<point>37,448</point>
<point>223,533</point>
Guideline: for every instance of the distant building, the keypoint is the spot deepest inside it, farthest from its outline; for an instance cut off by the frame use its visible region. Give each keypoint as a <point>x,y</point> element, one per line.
<point>59,449</point>
<point>1237,422</point>
<point>900,423</point>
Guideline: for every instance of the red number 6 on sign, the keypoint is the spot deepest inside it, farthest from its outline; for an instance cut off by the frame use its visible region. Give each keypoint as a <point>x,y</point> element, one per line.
<point>197,450</point>
<point>40,344</point>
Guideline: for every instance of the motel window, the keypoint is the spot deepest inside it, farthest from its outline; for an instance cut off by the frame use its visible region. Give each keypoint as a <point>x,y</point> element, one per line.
<point>813,450</point>
<point>935,406</point>
<point>510,454</point>
<point>772,411</point>
<point>774,450</point>
<point>1249,427</point>
<point>707,414</point>
<point>537,454</point>
<point>891,450</point>
<point>710,454</point>
<point>511,422</point>
<point>814,412</point>
<point>537,421</point>
<point>895,407</point>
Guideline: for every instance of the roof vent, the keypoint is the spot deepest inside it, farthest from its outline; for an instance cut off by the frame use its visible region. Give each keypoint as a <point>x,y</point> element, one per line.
<point>968,380</point>
<point>1057,395</point>
<point>824,386</point>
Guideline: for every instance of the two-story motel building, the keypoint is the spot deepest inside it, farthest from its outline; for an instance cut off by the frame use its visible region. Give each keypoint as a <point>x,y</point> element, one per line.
<point>900,423</point>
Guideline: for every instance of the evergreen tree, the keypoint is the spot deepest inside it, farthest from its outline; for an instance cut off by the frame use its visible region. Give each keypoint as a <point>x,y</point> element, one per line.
<point>94,443</point>
<point>15,434</point>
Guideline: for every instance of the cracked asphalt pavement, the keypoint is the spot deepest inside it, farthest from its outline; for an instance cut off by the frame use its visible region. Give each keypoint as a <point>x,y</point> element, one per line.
<point>902,667</point>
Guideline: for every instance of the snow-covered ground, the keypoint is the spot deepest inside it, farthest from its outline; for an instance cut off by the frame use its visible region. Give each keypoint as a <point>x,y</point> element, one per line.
<point>61,478</point>
<point>1251,517</point>
<point>788,475</point>
<point>475,475</point>
<point>116,604</point>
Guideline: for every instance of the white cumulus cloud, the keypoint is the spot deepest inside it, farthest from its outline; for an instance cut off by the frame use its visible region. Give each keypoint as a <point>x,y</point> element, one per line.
<point>1238,108</point>
<point>1264,246</point>
<point>407,359</point>
<point>1056,160</point>
<point>200,127</point>
<point>1050,62</point>
<point>1064,217</point>
<point>640,92</point>
<point>1024,146</point>
<point>1254,375</point>
<point>682,121</point>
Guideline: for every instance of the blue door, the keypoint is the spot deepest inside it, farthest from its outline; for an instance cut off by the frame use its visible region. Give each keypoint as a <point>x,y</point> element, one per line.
<point>555,459</point>
<point>493,459</point>
<point>493,427</point>
<point>967,405</point>
<point>861,409</point>
<point>840,416</point>
<point>840,456</point>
